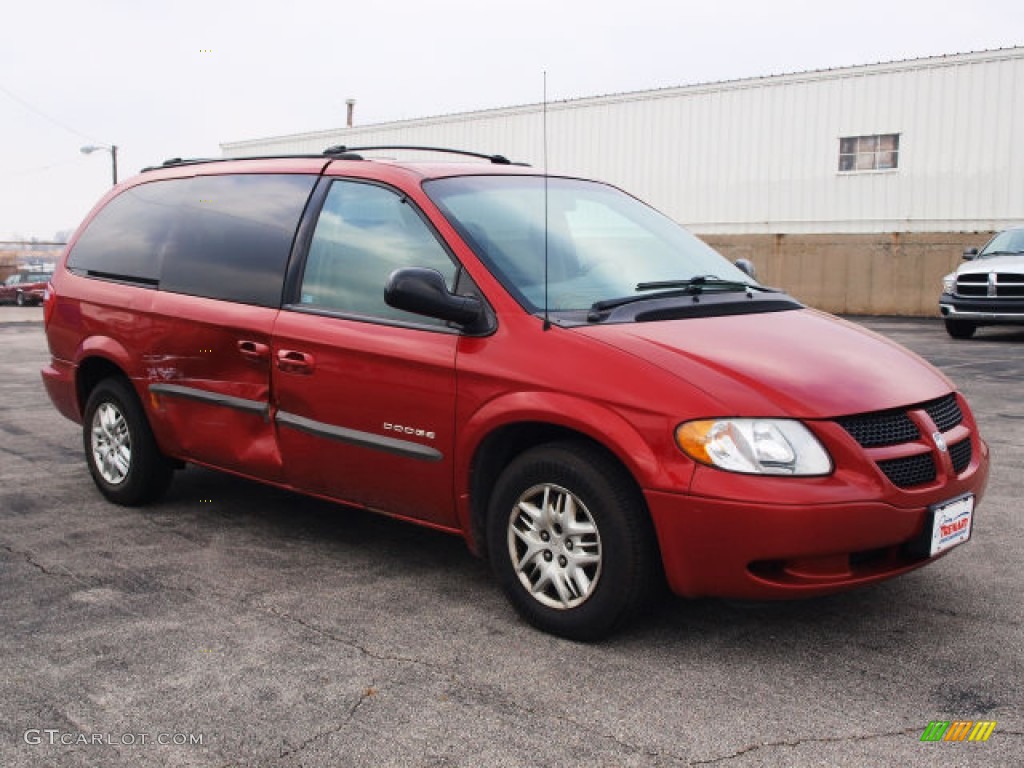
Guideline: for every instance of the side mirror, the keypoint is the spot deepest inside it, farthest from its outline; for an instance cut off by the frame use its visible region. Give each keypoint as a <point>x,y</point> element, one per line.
<point>747,266</point>
<point>970,254</point>
<point>423,291</point>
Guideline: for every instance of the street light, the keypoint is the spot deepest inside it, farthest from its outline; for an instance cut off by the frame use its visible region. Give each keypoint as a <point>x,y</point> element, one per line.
<point>112,149</point>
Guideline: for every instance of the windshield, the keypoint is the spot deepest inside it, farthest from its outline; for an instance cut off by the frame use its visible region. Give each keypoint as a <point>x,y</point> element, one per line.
<point>601,243</point>
<point>1008,241</point>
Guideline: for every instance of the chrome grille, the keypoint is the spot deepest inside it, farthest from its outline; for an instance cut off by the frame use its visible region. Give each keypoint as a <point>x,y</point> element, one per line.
<point>1000,285</point>
<point>972,285</point>
<point>1010,286</point>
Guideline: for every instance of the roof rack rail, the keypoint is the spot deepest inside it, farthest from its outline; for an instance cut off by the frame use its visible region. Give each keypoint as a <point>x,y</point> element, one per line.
<point>338,152</point>
<point>348,153</point>
<point>173,161</point>
<point>178,161</point>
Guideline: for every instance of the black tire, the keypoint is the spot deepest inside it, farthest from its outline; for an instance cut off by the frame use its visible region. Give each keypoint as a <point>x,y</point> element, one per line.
<point>19,299</point>
<point>960,329</point>
<point>143,473</point>
<point>628,565</point>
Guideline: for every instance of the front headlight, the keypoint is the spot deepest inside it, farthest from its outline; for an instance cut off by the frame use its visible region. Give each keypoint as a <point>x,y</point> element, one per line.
<point>754,446</point>
<point>949,283</point>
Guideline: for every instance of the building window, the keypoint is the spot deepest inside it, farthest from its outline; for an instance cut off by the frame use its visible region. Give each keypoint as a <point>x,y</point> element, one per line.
<point>880,152</point>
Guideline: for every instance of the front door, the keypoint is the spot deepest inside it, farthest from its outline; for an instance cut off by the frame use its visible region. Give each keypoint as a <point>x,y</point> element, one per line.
<point>365,394</point>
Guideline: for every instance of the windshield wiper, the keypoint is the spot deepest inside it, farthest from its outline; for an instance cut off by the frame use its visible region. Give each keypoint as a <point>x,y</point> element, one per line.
<point>695,284</point>
<point>1000,253</point>
<point>667,289</point>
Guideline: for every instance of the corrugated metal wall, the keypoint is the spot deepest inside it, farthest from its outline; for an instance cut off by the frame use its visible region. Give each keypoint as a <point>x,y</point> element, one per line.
<point>760,156</point>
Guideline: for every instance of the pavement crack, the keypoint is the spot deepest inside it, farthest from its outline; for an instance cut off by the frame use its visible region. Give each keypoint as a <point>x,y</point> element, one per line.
<point>616,740</point>
<point>800,742</point>
<point>29,558</point>
<point>447,673</point>
<point>376,655</point>
<point>365,694</point>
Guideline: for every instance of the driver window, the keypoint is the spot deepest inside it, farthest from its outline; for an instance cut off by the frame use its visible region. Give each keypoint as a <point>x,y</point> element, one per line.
<point>364,233</point>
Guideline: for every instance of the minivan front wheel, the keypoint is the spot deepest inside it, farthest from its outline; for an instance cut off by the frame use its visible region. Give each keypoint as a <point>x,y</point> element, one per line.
<point>570,540</point>
<point>123,458</point>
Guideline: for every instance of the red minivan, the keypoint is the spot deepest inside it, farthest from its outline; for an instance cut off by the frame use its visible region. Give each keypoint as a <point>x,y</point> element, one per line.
<point>594,399</point>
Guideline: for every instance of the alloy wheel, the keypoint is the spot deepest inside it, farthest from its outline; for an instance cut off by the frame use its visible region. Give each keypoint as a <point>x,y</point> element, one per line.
<point>555,546</point>
<point>111,443</point>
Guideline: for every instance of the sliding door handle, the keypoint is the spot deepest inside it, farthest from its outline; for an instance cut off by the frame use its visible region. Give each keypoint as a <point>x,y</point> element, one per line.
<point>291,361</point>
<point>253,350</point>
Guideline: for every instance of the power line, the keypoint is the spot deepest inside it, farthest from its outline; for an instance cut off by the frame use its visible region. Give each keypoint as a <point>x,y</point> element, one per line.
<point>45,116</point>
<point>38,169</point>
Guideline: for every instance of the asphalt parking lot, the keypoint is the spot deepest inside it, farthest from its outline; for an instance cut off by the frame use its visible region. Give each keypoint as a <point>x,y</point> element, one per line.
<point>237,625</point>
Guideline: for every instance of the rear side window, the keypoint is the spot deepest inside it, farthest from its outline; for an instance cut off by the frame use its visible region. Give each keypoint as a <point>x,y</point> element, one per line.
<point>220,237</point>
<point>127,239</point>
<point>234,236</point>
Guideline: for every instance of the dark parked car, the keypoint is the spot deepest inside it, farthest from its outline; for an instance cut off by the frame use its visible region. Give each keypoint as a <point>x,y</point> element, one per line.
<point>24,288</point>
<point>988,289</point>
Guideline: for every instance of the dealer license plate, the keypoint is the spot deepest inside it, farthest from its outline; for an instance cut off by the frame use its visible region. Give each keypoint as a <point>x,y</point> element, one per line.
<point>951,523</point>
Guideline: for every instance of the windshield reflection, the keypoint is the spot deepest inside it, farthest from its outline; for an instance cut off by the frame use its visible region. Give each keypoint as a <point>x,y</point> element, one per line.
<point>601,243</point>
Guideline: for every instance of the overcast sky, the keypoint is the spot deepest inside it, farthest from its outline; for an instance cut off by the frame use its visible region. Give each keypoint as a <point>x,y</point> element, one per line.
<point>166,79</point>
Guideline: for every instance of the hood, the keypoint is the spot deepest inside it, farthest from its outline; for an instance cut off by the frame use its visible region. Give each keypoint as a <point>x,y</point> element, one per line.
<point>1006,263</point>
<point>800,363</point>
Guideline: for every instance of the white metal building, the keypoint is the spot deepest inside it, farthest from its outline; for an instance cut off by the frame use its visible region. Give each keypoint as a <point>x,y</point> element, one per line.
<point>763,155</point>
<point>931,145</point>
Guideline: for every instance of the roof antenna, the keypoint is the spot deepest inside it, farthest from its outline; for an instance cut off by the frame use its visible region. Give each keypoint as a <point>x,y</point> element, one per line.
<point>544,132</point>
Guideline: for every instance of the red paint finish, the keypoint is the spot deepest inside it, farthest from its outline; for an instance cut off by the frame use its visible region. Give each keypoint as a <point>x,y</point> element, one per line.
<point>369,379</point>
<point>200,344</point>
<point>799,364</point>
<point>392,417</point>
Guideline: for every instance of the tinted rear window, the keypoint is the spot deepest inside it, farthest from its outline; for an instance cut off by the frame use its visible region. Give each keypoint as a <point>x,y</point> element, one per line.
<point>126,240</point>
<point>235,236</point>
<point>220,237</point>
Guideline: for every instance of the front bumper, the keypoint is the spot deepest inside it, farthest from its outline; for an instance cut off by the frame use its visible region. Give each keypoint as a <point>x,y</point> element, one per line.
<point>981,310</point>
<point>763,550</point>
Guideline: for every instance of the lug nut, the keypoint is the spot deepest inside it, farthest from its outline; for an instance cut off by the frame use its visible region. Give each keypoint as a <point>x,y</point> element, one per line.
<point>562,561</point>
<point>548,556</point>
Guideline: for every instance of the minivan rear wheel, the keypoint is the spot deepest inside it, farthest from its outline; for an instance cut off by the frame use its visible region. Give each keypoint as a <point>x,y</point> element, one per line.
<point>960,329</point>
<point>123,457</point>
<point>570,540</point>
